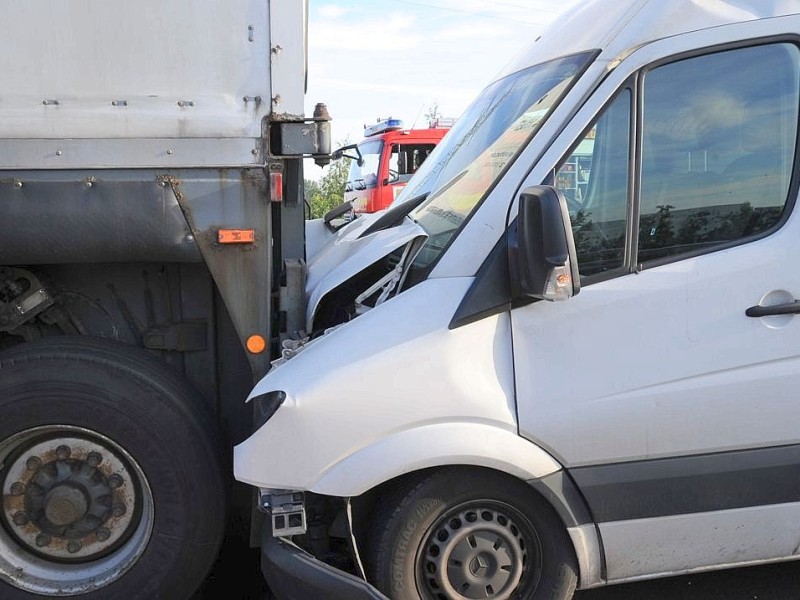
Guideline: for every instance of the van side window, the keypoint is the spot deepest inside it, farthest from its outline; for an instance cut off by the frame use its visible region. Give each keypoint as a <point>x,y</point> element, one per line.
<point>594,179</point>
<point>718,145</point>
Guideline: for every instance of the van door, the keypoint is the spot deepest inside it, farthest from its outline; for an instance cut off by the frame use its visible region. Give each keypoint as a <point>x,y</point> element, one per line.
<point>672,402</point>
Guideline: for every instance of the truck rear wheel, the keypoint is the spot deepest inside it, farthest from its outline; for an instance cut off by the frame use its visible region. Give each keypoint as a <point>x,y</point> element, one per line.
<point>110,473</point>
<point>464,533</point>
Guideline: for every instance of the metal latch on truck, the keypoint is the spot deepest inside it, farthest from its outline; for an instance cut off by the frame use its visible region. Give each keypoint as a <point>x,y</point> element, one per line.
<point>290,138</point>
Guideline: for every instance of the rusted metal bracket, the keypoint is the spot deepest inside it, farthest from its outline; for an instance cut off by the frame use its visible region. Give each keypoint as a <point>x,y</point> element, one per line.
<point>300,137</point>
<point>22,297</point>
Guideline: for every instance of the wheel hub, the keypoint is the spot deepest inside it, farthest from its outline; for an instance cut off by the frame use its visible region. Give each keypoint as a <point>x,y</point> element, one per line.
<point>480,565</point>
<point>474,553</point>
<point>69,499</point>
<point>65,506</point>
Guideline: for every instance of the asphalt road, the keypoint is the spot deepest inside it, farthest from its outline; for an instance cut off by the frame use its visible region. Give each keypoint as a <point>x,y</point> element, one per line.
<point>768,582</point>
<point>236,577</point>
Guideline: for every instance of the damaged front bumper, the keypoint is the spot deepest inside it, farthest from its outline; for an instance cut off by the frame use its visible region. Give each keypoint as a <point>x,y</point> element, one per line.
<point>293,574</point>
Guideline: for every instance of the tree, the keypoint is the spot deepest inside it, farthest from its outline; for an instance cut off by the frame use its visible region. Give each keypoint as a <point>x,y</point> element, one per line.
<point>328,192</point>
<point>433,113</point>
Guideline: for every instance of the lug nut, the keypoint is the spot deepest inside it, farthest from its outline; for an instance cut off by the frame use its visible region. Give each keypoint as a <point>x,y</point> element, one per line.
<point>33,463</point>
<point>115,481</point>
<point>73,546</point>
<point>63,452</point>
<point>94,459</point>
<point>103,534</point>
<point>21,519</point>
<point>43,540</point>
<point>119,510</point>
<point>18,488</point>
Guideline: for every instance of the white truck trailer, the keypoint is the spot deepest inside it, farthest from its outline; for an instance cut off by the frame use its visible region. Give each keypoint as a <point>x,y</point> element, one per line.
<point>464,439</point>
<point>150,196</point>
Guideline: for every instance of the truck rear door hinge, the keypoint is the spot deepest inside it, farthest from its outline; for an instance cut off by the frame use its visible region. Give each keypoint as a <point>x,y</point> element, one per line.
<point>296,137</point>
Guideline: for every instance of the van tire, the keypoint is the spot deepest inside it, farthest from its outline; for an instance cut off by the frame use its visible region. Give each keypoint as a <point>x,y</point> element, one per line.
<point>140,444</point>
<point>430,536</point>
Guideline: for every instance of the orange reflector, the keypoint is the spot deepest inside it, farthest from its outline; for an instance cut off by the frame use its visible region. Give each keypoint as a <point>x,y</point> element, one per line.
<point>236,236</point>
<point>276,187</point>
<point>256,344</point>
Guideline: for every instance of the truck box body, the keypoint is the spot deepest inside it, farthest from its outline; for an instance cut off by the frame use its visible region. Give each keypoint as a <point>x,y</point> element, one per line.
<point>146,84</point>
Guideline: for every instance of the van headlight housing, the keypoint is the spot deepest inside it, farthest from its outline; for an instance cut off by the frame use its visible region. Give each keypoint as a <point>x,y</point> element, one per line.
<point>265,405</point>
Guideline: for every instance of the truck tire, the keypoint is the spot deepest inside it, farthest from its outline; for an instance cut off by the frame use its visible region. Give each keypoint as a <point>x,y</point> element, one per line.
<point>462,533</point>
<point>110,472</point>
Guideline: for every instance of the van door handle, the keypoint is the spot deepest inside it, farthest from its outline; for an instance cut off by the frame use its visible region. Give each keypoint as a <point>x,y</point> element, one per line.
<point>790,308</point>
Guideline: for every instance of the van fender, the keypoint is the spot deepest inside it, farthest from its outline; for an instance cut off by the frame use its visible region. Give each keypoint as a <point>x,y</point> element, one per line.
<point>480,445</point>
<point>435,445</point>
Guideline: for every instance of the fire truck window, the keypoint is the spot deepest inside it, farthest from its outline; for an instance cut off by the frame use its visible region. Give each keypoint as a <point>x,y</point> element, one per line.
<point>406,159</point>
<point>365,175</point>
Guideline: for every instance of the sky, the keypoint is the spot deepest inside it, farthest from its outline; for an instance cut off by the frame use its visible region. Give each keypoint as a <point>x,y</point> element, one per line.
<point>399,58</point>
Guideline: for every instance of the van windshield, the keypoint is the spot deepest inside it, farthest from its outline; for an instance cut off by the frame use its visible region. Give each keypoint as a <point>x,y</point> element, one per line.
<point>483,143</point>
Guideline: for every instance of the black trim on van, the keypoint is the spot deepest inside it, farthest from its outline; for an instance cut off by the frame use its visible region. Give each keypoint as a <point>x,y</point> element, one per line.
<point>563,495</point>
<point>490,292</point>
<point>691,484</point>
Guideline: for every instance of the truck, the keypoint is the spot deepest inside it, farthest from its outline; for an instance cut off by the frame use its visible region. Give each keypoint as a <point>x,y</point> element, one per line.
<point>151,238</point>
<point>567,355</point>
<point>386,160</point>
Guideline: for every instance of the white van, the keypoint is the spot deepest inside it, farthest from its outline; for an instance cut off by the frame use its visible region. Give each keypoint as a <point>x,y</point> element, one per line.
<point>465,438</point>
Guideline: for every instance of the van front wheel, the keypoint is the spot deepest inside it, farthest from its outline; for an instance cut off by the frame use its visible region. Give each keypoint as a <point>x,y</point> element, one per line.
<point>464,533</point>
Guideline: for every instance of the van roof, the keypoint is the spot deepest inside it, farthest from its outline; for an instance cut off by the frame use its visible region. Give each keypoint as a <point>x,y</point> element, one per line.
<point>620,26</point>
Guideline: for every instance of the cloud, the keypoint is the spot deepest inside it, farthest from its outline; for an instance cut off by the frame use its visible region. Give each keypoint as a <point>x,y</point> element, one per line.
<point>332,11</point>
<point>513,12</point>
<point>432,90</point>
<point>472,32</point>
<point>384,34</point>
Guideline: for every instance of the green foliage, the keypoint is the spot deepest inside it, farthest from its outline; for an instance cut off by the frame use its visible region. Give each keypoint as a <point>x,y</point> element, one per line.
<point>328,192</point>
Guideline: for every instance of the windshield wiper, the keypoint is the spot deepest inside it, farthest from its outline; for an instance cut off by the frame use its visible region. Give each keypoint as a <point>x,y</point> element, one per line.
<point>394,215</point>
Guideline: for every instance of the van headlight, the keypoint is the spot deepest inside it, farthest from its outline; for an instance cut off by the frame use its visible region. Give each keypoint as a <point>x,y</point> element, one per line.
<point>265,405</point>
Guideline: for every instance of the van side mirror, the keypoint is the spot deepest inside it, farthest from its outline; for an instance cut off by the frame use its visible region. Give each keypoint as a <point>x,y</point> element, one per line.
<point>542,258</point>
<point>338,217</point>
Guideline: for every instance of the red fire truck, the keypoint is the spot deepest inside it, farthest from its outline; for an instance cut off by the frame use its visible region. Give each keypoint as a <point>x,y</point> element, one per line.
<point>387,158</point>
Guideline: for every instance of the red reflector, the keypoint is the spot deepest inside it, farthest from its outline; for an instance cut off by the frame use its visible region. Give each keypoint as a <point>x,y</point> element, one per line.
<point>236,236</point>
<point>276,187</point>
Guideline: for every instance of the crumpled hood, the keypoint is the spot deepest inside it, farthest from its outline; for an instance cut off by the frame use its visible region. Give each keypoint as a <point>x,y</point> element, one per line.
<point>346,254</point>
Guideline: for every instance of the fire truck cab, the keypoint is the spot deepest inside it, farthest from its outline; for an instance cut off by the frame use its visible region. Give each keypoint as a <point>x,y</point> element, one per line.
<point>388,156</point>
